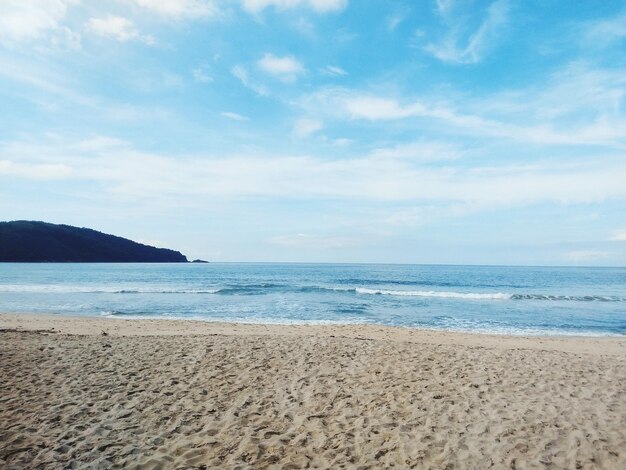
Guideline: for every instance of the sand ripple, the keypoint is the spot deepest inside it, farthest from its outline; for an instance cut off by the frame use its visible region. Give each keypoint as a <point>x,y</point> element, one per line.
<point>271,401</point>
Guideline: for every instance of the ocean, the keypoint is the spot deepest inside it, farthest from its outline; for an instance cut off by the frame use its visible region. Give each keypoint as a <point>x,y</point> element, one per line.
<point>488,299</point>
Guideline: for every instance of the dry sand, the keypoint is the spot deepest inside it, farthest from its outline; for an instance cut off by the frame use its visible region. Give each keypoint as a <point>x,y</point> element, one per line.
<point>179,394</point>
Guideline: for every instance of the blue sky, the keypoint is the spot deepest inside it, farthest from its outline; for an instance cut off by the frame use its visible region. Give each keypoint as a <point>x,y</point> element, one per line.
<point>478,132</point>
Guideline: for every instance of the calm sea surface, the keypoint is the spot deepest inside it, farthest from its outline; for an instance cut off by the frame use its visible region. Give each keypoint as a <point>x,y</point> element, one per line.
<point>508,300</point>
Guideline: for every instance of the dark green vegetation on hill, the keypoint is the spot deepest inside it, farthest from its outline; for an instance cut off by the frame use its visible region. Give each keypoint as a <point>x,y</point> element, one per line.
<point>30,241</point>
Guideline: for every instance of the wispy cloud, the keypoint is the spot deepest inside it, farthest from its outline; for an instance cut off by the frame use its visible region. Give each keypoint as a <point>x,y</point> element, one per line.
<point>179,9</point>
<point>303,240</point>
<point>320,6</point>
<point>333,70</point>
<point>376,108</point>
<point>453,48</point>
<point>47,81</point>
<point>444,6</point>
<point>430,112</point>
<point>618,236</point>
<point>418,152</point>
<point>305,127</point>
<point>49,87</point>
<point>604,31</point>
<point>286,68</point>
<point>151,242</point>
<point>36,171</point>
<point>25,21</point>
<point>241,73</point>
<point>586,255</point>
<point>234,116</point>
<point>136,175</point>
<point>119,28</point>
<point>396,18</point>
<point>599,91</point>
<point>201,74</point>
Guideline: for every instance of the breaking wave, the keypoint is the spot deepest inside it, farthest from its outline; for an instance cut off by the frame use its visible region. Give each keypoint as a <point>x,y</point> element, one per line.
<point>491,296</point>
<point>268,288</point>
<point>439,294</point>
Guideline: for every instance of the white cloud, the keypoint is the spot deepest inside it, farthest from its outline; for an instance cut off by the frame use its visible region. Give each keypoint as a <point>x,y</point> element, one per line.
<point>45,81</point>
<point>417,152</point>
<point>444,6</point>
<point>394,20</point>
<point>179,9</point>
<point>151,242</point>
<point>587,255</point>
<point>201,74</point>
<point>320,6</point>
<point>304,26</point>
<point>333,70</point>
<point>328,5</point>
<point>596,116</point>
<point>133,113</point>
<point>341,142</point>
<point>241,73</point>
<point>23,20</point>
<point>478,43</point>
<point>99,144</point>
<point>599,94</point>
<point>117,27</point>
<point>234,116</point>
<point>36,171</point>
<point>132,175</point>
<point>618,236</point>
<point>605,31</point>
<point>302,240</point>
<point>305,127</point>
<point>342,103</point>
<point>410,216</point>
<point>375,109</point>
<point>152,81</point>
<point>285,68</point>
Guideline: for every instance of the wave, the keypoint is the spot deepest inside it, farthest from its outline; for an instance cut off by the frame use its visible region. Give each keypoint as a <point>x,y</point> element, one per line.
<point>266,288</point>
<point>113,313</point>
<point>424,282</point>
<point>575,298</point>
<point>491,296</point>
<point>439,323</point>
<point>440,294</point>
<point>83,289</point>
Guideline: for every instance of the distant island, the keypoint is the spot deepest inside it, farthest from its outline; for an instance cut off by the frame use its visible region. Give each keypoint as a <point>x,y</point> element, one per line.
<point>25,241</point>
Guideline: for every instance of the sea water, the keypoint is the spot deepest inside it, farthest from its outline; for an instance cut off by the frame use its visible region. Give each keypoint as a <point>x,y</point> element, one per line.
<point>493,299</point>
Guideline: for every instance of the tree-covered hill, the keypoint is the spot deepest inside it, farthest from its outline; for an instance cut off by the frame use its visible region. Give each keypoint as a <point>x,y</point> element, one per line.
<point>30,241</point>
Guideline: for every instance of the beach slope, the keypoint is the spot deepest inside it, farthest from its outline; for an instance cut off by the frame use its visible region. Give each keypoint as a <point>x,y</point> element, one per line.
<point>103,393</point>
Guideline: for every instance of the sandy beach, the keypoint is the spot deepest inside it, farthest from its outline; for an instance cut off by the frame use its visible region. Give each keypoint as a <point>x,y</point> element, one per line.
<point>103,393</point>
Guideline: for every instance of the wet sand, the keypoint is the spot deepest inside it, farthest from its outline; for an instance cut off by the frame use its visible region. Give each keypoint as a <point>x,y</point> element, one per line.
<point>104,393</point>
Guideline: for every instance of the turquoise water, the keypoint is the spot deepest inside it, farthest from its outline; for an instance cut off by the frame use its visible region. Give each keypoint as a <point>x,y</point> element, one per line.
<point>496,299</point>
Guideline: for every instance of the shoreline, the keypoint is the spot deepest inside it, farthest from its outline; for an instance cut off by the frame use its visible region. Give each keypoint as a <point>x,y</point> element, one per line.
<point>331,323</point>
<point>92,325</point>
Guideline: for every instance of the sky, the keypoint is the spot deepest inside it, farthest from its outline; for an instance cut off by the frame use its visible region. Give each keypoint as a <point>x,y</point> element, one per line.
<point>430,131</point>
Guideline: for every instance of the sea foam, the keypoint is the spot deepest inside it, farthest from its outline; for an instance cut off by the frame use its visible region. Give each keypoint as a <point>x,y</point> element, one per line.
<point>430,293</point>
